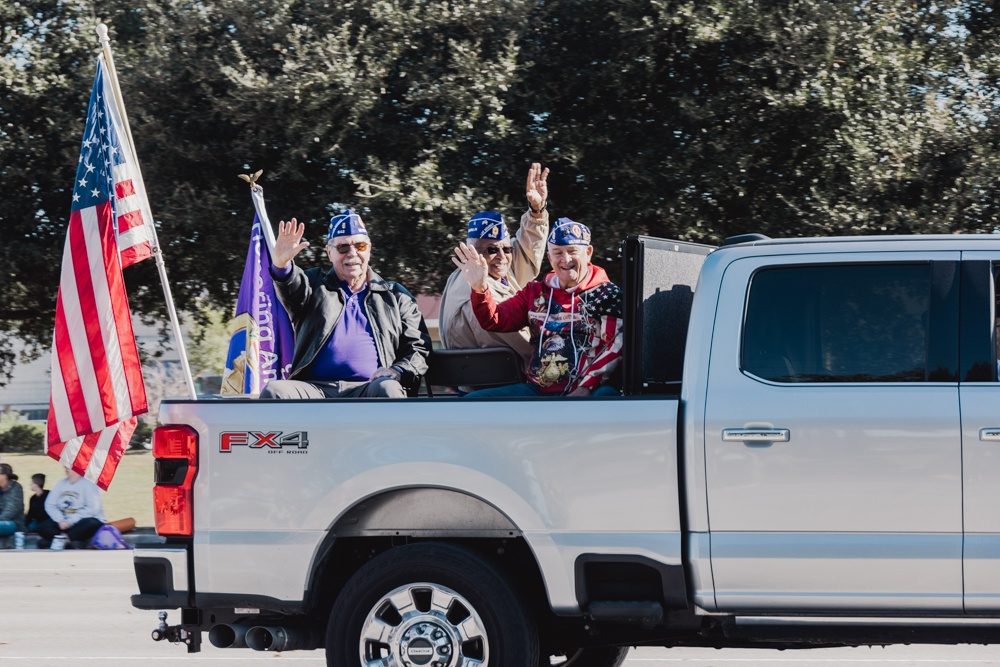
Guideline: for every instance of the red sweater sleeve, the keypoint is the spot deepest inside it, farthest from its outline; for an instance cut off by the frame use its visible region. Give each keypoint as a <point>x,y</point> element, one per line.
<point>509,315</point>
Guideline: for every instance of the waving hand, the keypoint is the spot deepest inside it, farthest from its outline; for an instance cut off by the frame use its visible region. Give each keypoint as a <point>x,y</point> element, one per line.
<point>289,242</point>
<point>537,188</point>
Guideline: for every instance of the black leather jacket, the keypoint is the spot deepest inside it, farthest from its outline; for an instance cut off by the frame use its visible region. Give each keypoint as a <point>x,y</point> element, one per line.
<point>315,303</point>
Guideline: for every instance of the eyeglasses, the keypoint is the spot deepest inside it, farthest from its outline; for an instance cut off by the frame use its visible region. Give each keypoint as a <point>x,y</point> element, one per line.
<point>344,248</point>
<point>506,249</point>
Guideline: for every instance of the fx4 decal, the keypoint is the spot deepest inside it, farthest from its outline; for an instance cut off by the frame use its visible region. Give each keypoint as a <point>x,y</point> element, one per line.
<point>272,441</point>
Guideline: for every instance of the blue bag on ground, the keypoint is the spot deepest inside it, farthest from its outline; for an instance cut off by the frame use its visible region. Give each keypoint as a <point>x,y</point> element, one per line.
<point>108,537</point>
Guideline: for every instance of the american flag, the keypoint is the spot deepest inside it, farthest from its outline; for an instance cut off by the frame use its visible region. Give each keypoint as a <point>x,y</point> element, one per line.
<point>97,387</point>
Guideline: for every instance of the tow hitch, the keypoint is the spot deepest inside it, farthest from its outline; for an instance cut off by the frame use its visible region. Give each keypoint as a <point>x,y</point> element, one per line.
<point>176,634</point>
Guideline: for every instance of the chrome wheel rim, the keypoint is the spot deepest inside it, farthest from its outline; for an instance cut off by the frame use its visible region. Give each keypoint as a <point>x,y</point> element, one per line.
<point>423,625</point>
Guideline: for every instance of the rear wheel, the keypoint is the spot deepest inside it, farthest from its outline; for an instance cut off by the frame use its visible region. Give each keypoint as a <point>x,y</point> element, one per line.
<point>430,604</point>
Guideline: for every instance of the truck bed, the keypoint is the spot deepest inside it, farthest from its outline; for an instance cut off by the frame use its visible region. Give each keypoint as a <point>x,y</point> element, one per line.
<point>574,476</point>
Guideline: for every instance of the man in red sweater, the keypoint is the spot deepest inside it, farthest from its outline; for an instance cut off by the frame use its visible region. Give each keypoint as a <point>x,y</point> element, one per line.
<point>574,315</point>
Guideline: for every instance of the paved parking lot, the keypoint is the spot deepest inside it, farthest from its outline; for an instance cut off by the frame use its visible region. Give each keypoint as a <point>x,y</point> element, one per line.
<point>72,607</point>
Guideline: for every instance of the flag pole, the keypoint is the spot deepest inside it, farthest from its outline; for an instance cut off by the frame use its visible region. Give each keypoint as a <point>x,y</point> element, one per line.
<point>102,33</point>
<point>257,194</point>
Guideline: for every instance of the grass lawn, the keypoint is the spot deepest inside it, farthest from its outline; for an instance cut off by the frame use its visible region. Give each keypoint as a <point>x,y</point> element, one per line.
<point>129,494</point>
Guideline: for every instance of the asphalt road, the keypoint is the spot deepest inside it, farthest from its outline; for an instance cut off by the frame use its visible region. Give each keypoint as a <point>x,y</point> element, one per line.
<point>72,608</point>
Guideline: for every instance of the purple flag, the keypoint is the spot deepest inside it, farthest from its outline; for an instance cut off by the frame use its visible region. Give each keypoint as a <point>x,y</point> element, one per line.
<point>261,343</point>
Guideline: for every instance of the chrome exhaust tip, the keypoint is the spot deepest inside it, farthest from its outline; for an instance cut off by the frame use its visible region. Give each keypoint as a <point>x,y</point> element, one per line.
<point>224,635</point>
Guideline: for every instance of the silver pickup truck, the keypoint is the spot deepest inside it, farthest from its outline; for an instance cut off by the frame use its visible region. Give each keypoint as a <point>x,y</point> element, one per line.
<point>806,453</point>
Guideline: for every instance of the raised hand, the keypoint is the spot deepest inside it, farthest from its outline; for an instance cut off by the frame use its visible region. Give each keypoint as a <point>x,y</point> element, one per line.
<point>537,188</point>
<point>474,266</point>
<point>289,242</point>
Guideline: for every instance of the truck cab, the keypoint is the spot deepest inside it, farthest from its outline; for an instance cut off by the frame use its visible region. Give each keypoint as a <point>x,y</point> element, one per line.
<point>839,408</point>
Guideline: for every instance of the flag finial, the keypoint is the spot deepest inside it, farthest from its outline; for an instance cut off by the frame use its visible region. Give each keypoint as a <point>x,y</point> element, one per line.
<point>102,34</point>
<point>251,178</point>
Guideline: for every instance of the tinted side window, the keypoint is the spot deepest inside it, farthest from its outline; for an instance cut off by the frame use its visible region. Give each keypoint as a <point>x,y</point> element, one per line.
<point>980,324</point>
<point>843,323</point>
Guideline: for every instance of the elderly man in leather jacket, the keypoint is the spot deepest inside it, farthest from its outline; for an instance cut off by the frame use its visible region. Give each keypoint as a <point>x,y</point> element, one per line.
<point>356,335</point>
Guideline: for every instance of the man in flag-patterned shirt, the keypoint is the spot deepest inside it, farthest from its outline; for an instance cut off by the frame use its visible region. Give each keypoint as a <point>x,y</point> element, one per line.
<point>574,315</point>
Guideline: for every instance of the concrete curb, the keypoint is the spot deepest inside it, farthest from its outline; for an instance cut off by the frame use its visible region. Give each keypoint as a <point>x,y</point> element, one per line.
<point>143,535</point>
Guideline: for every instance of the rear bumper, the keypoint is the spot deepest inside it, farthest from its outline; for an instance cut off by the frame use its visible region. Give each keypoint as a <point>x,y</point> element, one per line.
<point>162,575</point>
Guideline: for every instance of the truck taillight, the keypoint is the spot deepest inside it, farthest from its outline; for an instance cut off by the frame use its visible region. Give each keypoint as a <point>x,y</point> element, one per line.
<point>175,453</point>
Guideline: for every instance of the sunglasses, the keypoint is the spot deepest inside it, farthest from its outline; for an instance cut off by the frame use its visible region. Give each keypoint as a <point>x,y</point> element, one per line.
<point>344,248</point>
<point>505,249</point>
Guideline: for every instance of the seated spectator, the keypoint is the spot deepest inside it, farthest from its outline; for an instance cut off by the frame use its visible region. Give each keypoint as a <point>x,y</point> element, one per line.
<point>73,507</point>
<point>512,264</point>
<point>36,504</point>
<point>11,506</point>
<point>356,335</point>
<point>575,316</point>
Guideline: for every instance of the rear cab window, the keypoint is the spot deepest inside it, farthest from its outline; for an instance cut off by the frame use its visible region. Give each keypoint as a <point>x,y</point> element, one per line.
<point>851,323</point>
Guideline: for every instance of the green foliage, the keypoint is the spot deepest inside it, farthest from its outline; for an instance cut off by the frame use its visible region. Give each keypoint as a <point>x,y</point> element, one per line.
<point>209,342</point>
<point>46,65</point>
<point>206,349</point>
<point>22,437</point>
<point>18,435</point>
<point>142,435</point>
<point>692,120</point>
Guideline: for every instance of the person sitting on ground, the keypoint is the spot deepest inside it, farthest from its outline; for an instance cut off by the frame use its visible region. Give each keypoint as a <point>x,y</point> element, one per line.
<point>74,508</point>
<point>36,504</point>
<point>512,264</point>
<point>356,335</point>
<point>575,316</point>
<point>11,506</point>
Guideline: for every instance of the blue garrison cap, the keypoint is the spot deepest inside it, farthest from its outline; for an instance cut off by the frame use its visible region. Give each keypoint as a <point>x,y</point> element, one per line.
<point>567,232</point>
<point>487,225</point>
<point>347,223</point>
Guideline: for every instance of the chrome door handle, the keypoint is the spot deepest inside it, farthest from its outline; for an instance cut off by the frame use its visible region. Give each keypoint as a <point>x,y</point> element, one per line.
<point>989,434</point>
<point>757,435</point>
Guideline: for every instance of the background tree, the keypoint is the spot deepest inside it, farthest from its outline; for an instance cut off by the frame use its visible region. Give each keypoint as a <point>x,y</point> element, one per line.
<point>45,73</point>
<point>19,435</point>
<point>692,120</point>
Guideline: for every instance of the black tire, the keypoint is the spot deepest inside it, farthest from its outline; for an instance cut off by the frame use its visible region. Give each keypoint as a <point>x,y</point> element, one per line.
<point>600,656</point>
<point>474,592</point>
